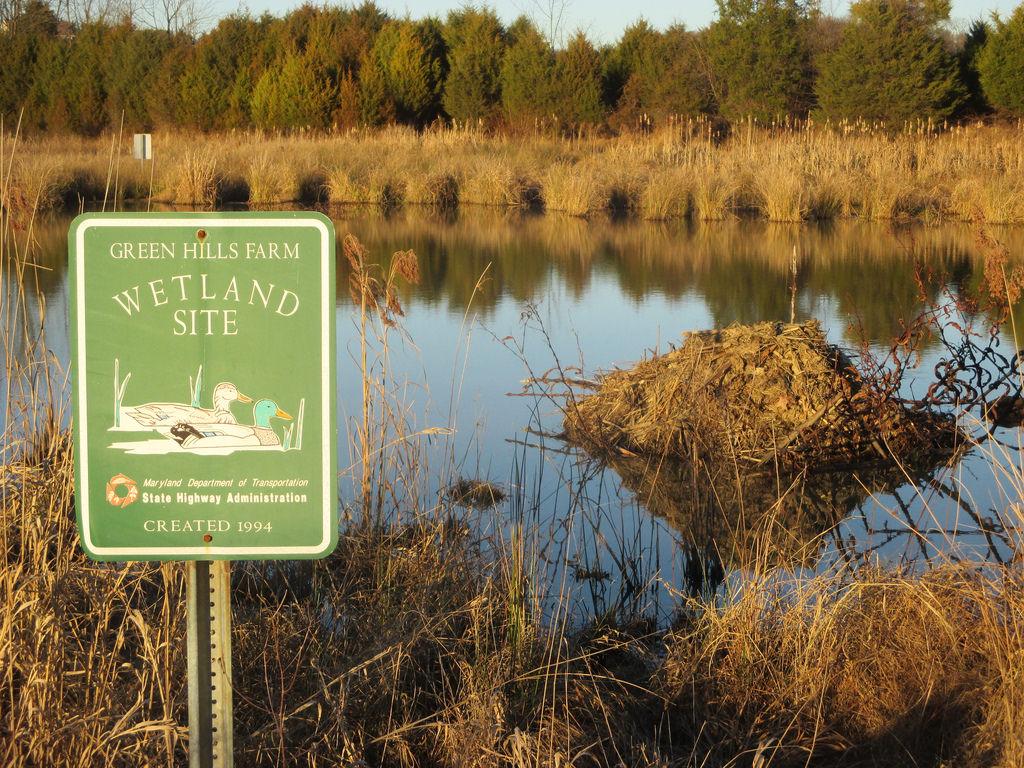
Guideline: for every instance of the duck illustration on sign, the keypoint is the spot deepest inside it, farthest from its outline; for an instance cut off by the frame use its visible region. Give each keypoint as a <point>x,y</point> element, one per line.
<point>225,435</point>
<point>193,428</point>
<point>169,414</point>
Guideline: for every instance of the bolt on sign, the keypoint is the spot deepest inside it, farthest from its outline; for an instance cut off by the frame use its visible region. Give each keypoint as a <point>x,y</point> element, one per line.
<point>204,385</point>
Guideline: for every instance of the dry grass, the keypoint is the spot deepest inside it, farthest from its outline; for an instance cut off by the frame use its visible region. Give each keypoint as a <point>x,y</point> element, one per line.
<point>783,195</point>
<point>790,174</point>
<point>714,198</point>
<point>666,194</point>
<point>923,670</point>
<point>38,183</point>
<point>367,186</point>
<point>441,659</point>
<point>495,182</point>
<point>271,181</point>
<point>193,179</point>
<point>576,189</point>
<point>435,188</point>
<point>998,199</point>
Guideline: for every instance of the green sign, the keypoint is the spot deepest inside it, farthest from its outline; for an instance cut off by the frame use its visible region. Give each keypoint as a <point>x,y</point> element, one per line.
<point>204,385</point>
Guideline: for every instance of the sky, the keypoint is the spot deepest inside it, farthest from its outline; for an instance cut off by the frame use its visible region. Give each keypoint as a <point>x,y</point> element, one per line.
<point>602,20</point>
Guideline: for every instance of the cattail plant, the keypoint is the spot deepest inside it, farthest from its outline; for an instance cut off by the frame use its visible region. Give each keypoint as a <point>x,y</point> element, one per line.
<point>119,388</point>
<point>374,290</point>
<point>195,387</point>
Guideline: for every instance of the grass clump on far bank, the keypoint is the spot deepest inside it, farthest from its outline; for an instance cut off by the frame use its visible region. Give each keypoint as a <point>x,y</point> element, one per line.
<point>439,189</point>
<point>193,180</point>
<point>666,194</point>
<point>363,183</point>
<point>271,181</point>
<point>575,189</point>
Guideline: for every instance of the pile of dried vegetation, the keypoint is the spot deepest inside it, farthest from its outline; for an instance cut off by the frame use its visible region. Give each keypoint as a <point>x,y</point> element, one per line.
<point>757,396</point>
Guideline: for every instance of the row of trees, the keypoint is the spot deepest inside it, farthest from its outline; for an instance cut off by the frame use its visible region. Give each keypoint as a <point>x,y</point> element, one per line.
<point>323,67</point>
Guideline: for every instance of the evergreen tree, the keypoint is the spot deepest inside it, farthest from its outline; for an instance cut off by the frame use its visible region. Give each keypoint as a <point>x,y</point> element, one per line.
<point>354,36</point>
<point>46,103</point>
<point>578,83</point>
<point>974,42</point>
<point>21,40</point>
<point>132,70</point>
<point>1001,64</point>
<point>217,81</point>
<point>625,59</point>
<point>527,73</point>
<point>82,83</point>
<point>667,79</point>
<point>347,113</point>
<point>891,65</point>
<point>476,46</point>
<point>408,56</point>
<point>163,99</point>
<point>295,93</point>
<point>376,103</point>
<point>333,44</point>
<point>759,59</point>
<point>677,79</point>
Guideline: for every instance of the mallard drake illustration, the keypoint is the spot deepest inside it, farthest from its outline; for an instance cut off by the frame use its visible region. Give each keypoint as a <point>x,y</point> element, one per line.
<point>171,414</point>
<point>190,435</point>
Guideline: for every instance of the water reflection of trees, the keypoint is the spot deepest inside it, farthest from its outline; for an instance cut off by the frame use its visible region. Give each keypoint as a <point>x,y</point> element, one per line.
<point>742,270</point>
<point>33,306</point>
<point>38,257</point>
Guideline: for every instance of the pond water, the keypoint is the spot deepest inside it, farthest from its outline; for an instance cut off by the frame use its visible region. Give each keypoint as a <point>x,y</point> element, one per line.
<point>504,297</point>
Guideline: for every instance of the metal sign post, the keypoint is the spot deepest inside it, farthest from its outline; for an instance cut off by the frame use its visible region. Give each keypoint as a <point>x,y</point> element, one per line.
<point>204,409</point>
<point>210,714</point>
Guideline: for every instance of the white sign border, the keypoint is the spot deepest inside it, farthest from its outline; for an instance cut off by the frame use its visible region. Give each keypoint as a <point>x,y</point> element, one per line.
<point>327,307</point>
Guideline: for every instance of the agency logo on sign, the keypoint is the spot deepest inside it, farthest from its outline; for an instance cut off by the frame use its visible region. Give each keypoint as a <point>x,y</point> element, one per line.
<point>122,491</point>
<point>204,385</point>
